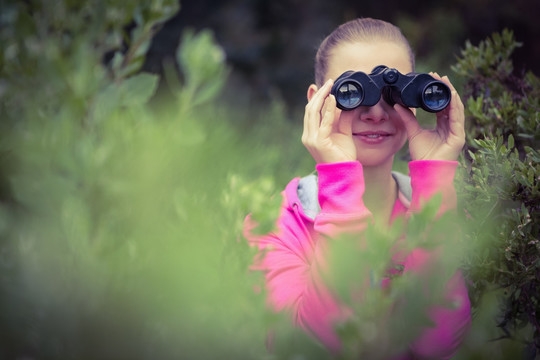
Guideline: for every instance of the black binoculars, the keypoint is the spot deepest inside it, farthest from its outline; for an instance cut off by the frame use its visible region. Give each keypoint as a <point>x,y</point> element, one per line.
<point>353,89</point>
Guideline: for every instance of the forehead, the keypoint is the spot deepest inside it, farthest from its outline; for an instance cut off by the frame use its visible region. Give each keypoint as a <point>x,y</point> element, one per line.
<point>365,56</point>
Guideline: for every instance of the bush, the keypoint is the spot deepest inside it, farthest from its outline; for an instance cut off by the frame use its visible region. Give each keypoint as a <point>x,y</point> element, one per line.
<point>119,231</point>
<point>500,190</point>
<point>120,218</point>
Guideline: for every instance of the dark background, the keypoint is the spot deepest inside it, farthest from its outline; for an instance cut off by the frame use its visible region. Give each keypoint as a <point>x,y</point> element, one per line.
<point>270,44</point>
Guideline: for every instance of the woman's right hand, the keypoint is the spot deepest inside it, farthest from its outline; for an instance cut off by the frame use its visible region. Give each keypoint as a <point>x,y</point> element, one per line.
<point>327,135</point>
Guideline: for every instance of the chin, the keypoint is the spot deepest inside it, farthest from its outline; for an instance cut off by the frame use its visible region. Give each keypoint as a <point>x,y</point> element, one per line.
<point>374,157</point>
<point>375,161</point>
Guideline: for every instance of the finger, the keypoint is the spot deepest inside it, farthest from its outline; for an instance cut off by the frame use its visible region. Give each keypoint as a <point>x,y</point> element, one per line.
<point>412,126</point>
<point>443,115</point>
<point>329,121</point>
<point>456,116</point>
<point>320,96</point>
<point>447,81</point>
<point>453,120</point>
<point>312,115</point>
<point>315,106</point>
<point>443,119</point>
<point>308,126</point>
<point>307,110</point>
<point>344,123</point>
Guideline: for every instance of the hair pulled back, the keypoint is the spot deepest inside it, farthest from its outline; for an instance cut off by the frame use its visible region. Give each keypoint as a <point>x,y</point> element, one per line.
<point>359,30</point>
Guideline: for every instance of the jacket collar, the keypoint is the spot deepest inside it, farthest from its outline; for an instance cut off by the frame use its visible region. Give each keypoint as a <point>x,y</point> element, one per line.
<point>304,193</point>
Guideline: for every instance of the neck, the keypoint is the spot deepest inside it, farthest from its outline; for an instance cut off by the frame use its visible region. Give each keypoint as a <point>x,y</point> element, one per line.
<point>381,191</point>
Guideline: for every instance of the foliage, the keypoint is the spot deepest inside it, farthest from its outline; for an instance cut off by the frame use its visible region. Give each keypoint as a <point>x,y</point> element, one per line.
<point>121,215</point>
<point>116,219</point>
<point>501,187</point>
<point>387,319</point>
<point>499,102</point>
<point>57,47</point>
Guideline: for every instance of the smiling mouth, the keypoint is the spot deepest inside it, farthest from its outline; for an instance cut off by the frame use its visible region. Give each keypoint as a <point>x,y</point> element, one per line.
<point>372,134</point>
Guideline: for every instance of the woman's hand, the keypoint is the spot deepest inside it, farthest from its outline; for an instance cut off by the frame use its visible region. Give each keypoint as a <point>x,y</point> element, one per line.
<point>446,141</point>
<point>327,138</point>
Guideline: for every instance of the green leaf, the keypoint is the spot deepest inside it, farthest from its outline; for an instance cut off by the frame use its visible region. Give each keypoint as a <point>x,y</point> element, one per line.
<point>510,141</point>
<point>138,89</point>
<point>106,102</point>
<point>200,58</point>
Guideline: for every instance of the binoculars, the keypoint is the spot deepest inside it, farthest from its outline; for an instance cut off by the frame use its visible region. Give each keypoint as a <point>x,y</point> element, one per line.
<point>354,89</point>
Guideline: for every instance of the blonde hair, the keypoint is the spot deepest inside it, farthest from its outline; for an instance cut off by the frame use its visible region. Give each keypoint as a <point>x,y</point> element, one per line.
<point>358,30</point>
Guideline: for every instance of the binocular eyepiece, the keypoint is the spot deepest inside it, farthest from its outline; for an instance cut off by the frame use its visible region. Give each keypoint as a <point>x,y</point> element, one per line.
<point>418,90</point>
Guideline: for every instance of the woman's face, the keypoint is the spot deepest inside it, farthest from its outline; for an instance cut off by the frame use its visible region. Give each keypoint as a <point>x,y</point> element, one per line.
<point>378,131</point>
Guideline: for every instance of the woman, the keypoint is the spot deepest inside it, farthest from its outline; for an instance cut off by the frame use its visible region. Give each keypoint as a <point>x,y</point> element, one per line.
<point>354,151</point>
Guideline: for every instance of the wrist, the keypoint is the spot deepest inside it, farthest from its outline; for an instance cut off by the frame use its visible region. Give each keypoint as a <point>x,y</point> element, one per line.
<point>429,177</point>
<point>332,159</point>
<point>341,186</point>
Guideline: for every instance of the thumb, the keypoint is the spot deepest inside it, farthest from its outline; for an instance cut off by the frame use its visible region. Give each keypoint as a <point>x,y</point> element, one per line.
<point>409,120</point>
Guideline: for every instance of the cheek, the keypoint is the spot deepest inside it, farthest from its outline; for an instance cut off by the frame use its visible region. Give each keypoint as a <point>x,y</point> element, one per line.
<point>402,134</point>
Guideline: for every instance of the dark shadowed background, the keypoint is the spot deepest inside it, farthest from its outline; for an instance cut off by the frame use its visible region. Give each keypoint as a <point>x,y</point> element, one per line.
<point>270,45</point>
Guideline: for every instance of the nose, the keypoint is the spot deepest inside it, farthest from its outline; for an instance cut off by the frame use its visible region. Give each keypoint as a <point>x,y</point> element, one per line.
<point>376,113</point>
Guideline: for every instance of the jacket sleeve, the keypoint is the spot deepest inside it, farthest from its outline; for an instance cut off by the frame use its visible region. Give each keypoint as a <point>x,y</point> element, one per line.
<point>451,323</point>
<point>293,255</point>
<point>341,190</point>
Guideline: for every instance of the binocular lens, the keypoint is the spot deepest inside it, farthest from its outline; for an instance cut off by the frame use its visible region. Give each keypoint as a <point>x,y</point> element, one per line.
<point>436,96</point>
<point>349,95</point>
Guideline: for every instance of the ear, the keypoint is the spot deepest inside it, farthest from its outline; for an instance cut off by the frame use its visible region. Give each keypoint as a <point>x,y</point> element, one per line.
<point>311,91</point>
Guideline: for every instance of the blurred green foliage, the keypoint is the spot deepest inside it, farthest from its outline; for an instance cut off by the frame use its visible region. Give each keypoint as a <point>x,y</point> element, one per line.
<point>121,216</point>
<point>118,238</point>
<point>388,319</point>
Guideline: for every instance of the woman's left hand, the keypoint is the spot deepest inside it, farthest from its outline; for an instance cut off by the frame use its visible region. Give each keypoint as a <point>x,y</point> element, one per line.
<point>446,141</point>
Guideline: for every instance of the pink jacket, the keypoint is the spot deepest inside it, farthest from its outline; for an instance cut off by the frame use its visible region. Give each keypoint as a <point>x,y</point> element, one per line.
<point>289,257</point>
